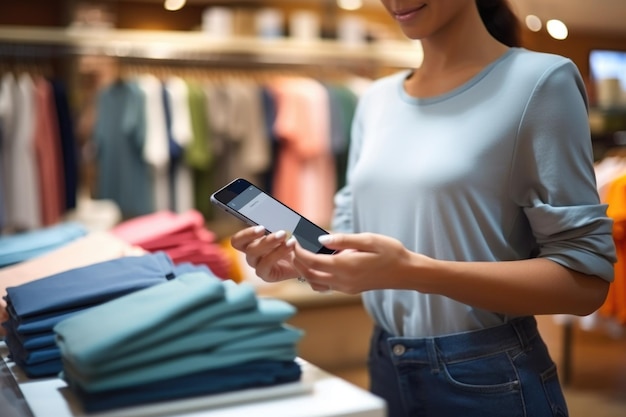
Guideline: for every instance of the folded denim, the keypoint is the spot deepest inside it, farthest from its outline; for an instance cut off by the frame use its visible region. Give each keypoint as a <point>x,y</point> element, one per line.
<point>258,374</point>
<point>45,369</point>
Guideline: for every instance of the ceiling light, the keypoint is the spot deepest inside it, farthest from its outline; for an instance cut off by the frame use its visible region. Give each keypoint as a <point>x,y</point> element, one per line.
<point>350,4</point>
<point>173,5</point>
<point>557,29</point>
<point>533,23</point>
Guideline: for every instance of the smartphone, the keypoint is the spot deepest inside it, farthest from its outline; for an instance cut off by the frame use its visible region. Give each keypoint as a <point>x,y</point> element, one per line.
<point>254,206</point>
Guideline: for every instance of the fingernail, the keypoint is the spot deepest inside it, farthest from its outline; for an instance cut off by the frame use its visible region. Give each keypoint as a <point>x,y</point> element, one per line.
<point>291,242</point>
<point>323,239</point>
<point>280,234</point>
<point>259,229</point>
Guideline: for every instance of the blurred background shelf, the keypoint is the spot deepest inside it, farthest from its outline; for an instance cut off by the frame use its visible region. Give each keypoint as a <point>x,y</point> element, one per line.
<point>21,41</point>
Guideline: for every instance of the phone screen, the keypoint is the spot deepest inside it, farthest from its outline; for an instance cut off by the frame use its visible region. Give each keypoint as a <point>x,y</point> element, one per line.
<point>254,206</point>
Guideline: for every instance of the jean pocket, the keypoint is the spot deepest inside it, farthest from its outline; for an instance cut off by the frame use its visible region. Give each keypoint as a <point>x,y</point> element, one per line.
<point>490,374</point>
<point>554,393</point>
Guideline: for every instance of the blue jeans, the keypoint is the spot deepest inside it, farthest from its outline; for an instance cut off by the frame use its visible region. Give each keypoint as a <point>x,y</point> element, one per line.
<point>500,371</point>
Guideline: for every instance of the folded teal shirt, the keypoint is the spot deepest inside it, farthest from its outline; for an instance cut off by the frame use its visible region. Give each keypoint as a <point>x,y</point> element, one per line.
<point>200,340</point>
<point>101,331</point>
<point>234,299</point>
<point>278,344</point>
<point>210,335</point>
<point>267,311</point>
<point>195,322</point>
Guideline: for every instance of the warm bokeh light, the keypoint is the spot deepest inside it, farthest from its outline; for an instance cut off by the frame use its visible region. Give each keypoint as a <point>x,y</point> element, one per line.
<point>533,23</point>
<point>350,4</point>
<point>173,5</point>
<point>557,29</point>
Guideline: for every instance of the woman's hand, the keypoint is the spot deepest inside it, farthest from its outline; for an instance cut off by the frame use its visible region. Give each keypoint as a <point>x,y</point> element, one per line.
<point>365,261</point>
<point>270,255</point>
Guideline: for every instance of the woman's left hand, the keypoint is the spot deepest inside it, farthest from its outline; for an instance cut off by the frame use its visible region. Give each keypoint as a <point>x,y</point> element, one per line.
<point>365,261</point>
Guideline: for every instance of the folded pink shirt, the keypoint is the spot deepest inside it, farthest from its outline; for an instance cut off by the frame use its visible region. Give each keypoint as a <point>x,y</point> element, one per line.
<point>183,237</point>
<point>161,225</point>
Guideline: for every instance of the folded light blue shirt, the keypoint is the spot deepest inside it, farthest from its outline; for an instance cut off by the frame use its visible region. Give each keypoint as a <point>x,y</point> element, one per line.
<point>26,245</point>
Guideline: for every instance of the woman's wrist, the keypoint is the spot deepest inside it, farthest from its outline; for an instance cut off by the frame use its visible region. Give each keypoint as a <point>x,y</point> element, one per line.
<point>417,272</point>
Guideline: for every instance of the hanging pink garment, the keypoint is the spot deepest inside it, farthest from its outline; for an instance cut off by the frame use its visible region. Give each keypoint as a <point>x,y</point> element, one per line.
<point>48,152</point>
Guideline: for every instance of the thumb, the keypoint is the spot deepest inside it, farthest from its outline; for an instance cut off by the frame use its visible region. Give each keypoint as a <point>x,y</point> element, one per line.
<point>363,242</point>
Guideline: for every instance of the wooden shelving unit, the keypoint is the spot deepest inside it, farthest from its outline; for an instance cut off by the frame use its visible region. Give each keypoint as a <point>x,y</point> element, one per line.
<point>197,46</point>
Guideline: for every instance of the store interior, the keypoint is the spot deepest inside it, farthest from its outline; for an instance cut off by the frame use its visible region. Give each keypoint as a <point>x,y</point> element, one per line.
<point>233,46</point>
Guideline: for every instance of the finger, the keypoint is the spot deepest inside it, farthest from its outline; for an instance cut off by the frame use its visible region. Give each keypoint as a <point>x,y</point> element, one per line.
<point>364,242</point>
<point>320,288</point>
<point>259,247</point>
<point>281,256</point>
<point>244,237</point>
<point>305,270</point>
<point>308,262</point>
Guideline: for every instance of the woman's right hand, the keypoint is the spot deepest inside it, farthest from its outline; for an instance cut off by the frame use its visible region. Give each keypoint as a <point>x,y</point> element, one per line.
<point>270,255</point>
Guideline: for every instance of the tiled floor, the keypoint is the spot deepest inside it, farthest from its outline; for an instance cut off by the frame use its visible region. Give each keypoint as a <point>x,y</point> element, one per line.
<point>596,386</point>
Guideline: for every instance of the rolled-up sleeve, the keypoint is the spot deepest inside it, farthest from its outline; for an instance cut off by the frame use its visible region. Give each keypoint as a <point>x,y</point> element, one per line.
<point>553,179</point>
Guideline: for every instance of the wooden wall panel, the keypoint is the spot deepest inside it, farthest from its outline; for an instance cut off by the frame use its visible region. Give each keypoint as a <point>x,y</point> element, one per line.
<point>33,13</point>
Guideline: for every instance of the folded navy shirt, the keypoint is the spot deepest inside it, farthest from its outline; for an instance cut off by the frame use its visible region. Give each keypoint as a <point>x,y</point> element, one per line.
<point>36,307</point>
<point>87,286</point>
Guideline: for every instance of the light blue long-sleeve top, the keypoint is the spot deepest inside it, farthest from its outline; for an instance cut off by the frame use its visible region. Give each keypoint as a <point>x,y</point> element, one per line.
<point>498,169</point>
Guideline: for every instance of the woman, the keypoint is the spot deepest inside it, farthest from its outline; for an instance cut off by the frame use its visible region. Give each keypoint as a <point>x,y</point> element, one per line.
<point>470,206</point>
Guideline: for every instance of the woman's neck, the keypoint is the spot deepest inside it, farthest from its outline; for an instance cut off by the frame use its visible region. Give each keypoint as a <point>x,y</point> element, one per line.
<point>452,57</point>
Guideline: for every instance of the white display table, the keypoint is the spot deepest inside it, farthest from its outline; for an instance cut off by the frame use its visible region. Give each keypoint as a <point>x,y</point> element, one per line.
<point>318,394</point>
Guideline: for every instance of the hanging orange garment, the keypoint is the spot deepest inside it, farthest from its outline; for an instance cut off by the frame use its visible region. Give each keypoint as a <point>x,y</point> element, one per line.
<point>615,305</point>
<point>234,272</point>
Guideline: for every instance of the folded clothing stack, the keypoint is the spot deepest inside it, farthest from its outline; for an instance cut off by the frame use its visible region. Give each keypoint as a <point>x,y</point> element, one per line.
<point>183,237</point>
<point>191,336</point>
<point>87,250</point>
<point>26,245</point>
<point>34,308</point>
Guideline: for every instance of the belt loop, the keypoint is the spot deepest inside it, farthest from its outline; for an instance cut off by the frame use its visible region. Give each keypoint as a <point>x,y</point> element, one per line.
<point>521,326</point>
<point>433,358</point>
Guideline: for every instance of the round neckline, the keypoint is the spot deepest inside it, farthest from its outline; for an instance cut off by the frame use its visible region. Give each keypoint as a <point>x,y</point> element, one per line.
<point>455,91</point>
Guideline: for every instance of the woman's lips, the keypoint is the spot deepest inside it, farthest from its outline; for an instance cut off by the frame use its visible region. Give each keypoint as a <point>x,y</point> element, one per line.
<point>409,14</point>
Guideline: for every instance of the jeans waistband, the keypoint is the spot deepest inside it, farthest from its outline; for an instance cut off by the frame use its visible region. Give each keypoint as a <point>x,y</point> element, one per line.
<point>517,332</point>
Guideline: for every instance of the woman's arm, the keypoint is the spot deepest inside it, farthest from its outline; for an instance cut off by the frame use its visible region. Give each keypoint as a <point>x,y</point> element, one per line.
<point>526,287</point>
<point>533,286</point>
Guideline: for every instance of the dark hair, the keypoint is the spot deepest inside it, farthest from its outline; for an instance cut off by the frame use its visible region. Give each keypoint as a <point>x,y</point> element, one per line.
<point>500,21</point>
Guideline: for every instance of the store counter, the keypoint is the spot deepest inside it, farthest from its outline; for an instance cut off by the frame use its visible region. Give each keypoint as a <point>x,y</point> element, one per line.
<point>317,394</point>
